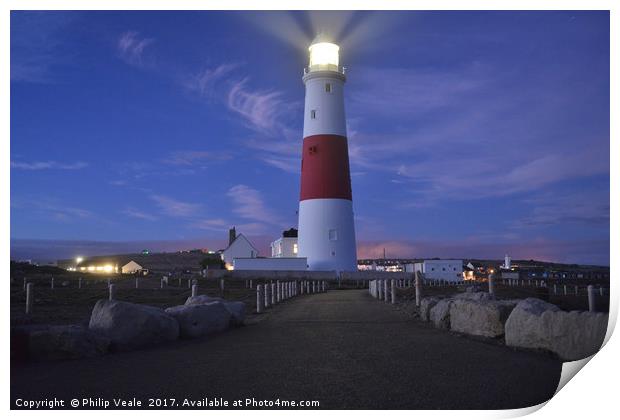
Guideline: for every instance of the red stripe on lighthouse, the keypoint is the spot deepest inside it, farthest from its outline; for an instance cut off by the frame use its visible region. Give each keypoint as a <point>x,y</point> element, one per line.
<point>325,168</point>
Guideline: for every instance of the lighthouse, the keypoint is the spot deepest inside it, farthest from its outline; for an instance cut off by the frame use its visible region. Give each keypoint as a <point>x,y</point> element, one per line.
<point>326,230</point>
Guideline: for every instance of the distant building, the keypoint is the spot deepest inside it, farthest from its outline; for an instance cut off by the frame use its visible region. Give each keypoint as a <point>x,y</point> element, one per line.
<point>507,262</point>
<point>240,247</point>
<point>448,270</point>
<point>286,246</point>
<point>133,263</point>
<point>275,264</point>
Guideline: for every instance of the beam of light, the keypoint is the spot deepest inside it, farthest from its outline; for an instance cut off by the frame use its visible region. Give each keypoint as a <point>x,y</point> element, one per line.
<point>357,32</point>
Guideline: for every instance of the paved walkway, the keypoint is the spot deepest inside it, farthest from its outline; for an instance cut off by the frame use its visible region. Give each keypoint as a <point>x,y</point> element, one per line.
<point>342,348</point>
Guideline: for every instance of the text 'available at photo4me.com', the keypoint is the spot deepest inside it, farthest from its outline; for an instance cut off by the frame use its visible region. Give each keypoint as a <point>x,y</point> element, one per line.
<point>206,402</point>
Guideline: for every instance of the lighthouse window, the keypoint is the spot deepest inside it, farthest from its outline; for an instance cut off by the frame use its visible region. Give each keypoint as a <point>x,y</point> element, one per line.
<point>333,235</point>
<point>313,114</point>
<point>328,87</point>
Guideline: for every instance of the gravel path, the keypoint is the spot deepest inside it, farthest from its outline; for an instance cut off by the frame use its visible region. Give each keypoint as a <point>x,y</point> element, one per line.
<point>342,348</point>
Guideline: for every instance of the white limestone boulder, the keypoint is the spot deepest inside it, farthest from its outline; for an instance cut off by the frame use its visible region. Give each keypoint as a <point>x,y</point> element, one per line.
<point>201,320</point>
<point>61,342</point>
<point>130,326</point>
<point>236,309</point>
<point>574,335</point>
<point>237,312</point>
<point>426,304</point>
<point>202,299</point>
<point>440,314</point>
<point>481,317</point>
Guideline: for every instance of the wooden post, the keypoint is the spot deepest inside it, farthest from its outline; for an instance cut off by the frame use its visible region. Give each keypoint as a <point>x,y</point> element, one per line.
<point>565,290</point>
<point>222,286</point>
<point>418,289</point>
<point>179,281</point>
<point>80,283</point>
<point>52,282</point>
<point>601,290</point>
<point>109,283</point>
<point>555,289</point>
<point>576,291</point>
<point>251,287</point>
<point>591,299</point>
<point>393,292</point>
<point>492,284</point>
<point>278,291</point>
<point>194,290</point>
<point>379,289</point>
<point>161,286</point>
<point>137,283</point>
<point>29,298</point>
<point>273,293</point>
<point>112,291</point>
<point>24,284</point>
<point>260,299</point>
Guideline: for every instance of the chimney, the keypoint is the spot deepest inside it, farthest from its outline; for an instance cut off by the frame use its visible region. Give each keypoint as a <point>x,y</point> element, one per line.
<point>232,235</point>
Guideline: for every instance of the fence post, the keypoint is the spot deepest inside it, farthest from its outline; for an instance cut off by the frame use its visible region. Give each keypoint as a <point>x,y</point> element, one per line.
<point>109,282</point>
<point>137,283</point>
<point>194,290</point>
<point>161,283</point>
<point>29,298</point>
<point>52,282</point>
<point>555,289</point>
<point>418,289</point>
<point>492,284</point>
<point>393,291</point>
<point>260,299</point>
<point>251,284</point>
<point>565,290</point>
<point>24,284</point>
<point>273,293</point>
<point>591,299</point>
<point>601,290</point>
<point>385,290</point>
<point>379,283</point>
<point>267,297</point>
<point>80,283</point>
<point>112,291</point>
<point>576,290</point>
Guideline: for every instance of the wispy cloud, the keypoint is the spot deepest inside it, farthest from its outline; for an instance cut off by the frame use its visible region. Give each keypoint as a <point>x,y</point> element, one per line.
<point>138,214</point>
<point>260,109</point>
<point>174,207</point>
<point>131,47</point>
<point>209,81</point>
<point>249,204</point>
<point>51,208</point>
<point>50,164</point>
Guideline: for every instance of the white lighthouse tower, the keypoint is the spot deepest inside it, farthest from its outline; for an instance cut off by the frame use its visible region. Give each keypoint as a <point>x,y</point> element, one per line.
<point>326,230</point>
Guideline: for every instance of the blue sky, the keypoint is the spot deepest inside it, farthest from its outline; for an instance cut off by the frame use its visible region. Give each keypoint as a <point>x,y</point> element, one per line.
<point>471,134</point>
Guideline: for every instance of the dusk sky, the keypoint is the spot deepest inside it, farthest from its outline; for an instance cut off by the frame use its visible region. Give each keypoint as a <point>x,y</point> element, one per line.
<point>471,134</point>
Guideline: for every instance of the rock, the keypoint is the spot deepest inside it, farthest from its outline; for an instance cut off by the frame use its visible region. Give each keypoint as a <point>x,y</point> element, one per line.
<point>200,320</point>
<point>477,296</point>
<point>426,304</point>
<point>440,314</point>
<point>130,326</point>
<point>574,335</point>
<point>61,342</point>
<point>201,299</point>
<point>236,309</point>
<point>480,317</point>
<point>237,312</point>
